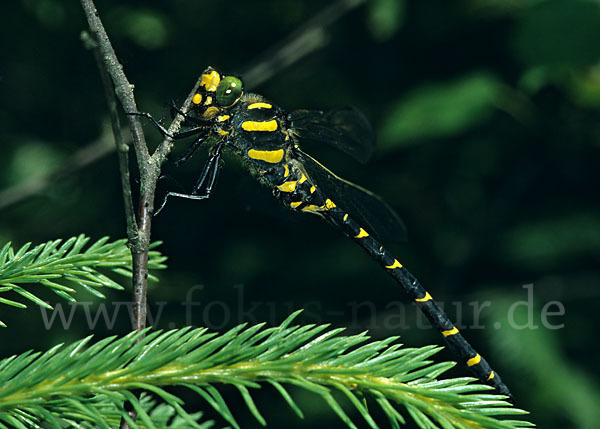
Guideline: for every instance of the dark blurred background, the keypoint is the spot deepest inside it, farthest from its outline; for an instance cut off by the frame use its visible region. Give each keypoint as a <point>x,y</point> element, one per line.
<point>487,116</point>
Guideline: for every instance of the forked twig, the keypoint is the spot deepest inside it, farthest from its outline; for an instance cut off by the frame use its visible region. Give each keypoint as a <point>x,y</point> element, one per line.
<point>138,227</point>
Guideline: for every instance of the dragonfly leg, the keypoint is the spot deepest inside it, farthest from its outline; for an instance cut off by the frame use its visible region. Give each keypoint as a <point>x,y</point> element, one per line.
<point>204,186</point>
<point>178,135</point>
<point>191,150</point>
<point>212,172</point>
<point>177,111</point>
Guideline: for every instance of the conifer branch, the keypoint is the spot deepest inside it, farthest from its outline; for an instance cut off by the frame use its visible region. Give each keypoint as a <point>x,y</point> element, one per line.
<point>66,380</point>
<point>60,267</point>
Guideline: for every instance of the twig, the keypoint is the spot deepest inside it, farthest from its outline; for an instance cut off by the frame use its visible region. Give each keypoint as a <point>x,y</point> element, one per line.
<point>149,165</point>
<point>139,238</point>
<point>122,147</point>
<point>161,152</point>
<point>307,38</point>
<point>83,157</point>
<point>122,87</point>
<point>138,230</point>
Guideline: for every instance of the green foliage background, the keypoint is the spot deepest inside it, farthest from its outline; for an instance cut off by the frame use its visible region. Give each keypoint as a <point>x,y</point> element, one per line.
<point>487,117</point>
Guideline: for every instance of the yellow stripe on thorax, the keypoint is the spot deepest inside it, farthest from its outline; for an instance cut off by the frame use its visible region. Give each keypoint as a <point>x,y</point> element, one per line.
<point>311,208</point>
<point>259,106</point>
<point>289,186</point>
<point>259,126</point>
<point>272,156</point>
<point>426,298</point>
<point>474,360</point>
<point>314,208</point>
<point>491,375</point>
<point>211,112</point>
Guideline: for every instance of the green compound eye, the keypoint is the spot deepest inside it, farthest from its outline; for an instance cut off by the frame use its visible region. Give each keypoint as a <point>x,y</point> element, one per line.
<point>229,91</point>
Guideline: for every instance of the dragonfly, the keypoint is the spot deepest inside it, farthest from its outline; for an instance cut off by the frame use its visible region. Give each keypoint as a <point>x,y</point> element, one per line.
<point>268,142</point>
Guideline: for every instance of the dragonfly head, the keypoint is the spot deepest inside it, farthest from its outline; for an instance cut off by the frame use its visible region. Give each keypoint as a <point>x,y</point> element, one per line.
<point>216,94</point>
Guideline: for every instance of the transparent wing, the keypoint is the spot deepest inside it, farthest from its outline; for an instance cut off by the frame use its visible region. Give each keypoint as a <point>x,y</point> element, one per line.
<point>376,216</point>
<point>345,129</point>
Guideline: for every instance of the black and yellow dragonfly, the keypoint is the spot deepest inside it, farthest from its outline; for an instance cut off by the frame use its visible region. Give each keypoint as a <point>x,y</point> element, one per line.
<point>268,141</point>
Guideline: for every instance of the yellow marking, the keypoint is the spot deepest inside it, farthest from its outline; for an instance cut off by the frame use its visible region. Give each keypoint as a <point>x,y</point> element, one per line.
<point>259,106</point>
<point>328,204</point>
<point>491,375</point>
<point>345,217</point>
<point>208,101</point>
<point>222,132</point>
<point>223,118</point>
<point>286,173</point>
<point>311,208</point>
<point>362,233</point>
<point>295,204</point>
<point>474,360</point>
<point>272,156</point>
<point>260,126</point>
<point>426,298</point>
<point>396,264</point>
<point>197,99</point>
<point>288,186</point>
<point>210,112</point>
<point>210,81</point>
<point>313,188</point>
<point>452,331</point>
<point>302,179</point>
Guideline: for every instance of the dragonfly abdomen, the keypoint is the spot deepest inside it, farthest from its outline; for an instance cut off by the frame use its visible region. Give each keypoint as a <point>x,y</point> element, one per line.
<point>436,315</point>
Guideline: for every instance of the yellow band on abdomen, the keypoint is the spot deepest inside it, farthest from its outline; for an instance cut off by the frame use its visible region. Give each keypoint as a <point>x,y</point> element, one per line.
<point>396,264</point>
<point>426,298</point>
<point>452,331</point>
<point>361,234</point>
<point>474,360</point>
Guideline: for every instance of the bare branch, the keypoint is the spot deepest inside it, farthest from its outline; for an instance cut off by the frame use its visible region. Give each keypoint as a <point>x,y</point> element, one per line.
<point>149,166</point>
<point>123,89</point>
<point>82,158</point>
<point>166,146</point>
<point>122,147</point>
<point>304,40</point>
